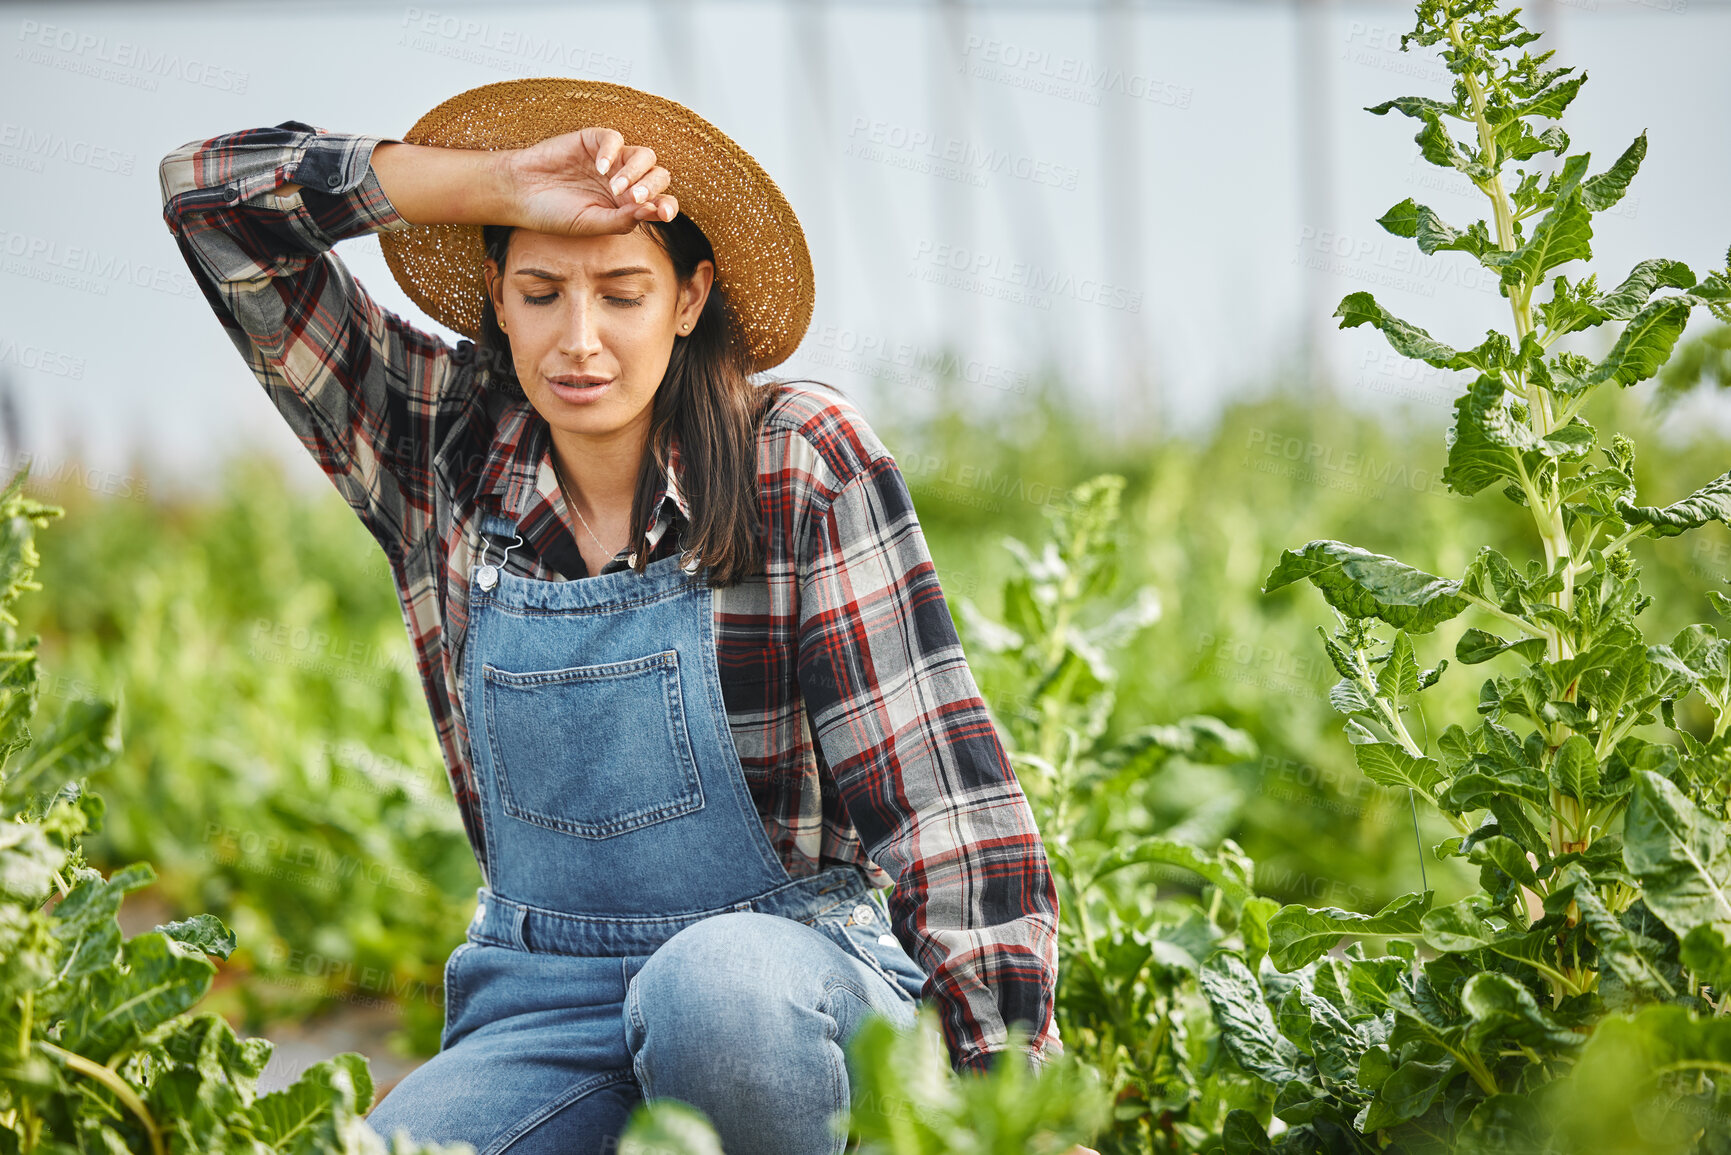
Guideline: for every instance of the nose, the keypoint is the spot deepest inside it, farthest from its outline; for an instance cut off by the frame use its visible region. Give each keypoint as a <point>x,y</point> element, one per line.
<point>580,338</point>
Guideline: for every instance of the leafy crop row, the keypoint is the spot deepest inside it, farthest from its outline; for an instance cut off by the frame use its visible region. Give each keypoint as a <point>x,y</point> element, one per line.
<point>96,1050</point>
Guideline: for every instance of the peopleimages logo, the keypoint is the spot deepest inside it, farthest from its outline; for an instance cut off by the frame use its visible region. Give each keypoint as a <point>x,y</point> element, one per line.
<point>1021,281</point>
<point>1069,77</point>
<point>106,58</point>
<point>501,46</point>
<point>31,146</point>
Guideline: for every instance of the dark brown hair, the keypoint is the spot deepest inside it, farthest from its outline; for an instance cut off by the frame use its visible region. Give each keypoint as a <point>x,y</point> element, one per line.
<point>706,397</point>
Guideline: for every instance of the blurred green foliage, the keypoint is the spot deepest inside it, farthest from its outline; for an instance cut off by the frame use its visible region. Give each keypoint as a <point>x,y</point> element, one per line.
<point>281,770</point>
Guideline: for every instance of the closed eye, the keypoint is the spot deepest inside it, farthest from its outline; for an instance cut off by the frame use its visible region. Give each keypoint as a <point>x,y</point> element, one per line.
<point>528,300</point>
<point>626,301</point>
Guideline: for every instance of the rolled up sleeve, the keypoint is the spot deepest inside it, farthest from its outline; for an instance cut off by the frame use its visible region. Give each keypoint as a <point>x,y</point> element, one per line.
<point>923,772</point>
<point>363,390</point>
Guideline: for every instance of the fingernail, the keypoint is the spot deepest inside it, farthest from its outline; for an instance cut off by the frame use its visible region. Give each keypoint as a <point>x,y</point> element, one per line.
<point>667,213</point>
<point>640,193</point>
<point>617,183</point>
<point>601,165</point>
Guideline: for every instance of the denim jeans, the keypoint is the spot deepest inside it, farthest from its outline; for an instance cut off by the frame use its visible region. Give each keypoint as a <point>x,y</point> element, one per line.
<point>638,936</point>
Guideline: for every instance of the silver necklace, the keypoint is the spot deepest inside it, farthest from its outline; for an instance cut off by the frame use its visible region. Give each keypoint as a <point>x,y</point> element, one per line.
<point>572,506</point>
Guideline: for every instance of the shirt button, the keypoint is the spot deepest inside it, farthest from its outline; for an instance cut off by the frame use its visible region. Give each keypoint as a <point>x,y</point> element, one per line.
<point>231,192</point>
<point>335,180</point>
<point>863,913</point>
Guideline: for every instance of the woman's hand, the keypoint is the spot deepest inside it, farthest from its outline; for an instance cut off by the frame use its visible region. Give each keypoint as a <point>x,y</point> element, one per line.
<point>564,185</point>
<point>586,182</point>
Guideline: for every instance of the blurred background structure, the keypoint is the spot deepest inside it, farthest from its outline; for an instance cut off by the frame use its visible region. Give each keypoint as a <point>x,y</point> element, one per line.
<point>1160,202</point>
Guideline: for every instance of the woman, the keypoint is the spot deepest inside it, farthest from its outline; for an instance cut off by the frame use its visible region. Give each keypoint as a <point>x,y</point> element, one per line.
<point>685,776</point>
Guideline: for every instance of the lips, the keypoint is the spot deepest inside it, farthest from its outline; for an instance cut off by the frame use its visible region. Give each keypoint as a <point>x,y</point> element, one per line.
<point>574,388</point>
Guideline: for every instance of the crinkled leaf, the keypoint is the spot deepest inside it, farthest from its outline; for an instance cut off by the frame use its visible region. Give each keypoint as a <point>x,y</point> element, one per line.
<point>1678,853</point>
<point>204,932</point>
<point>1601,192</point>
<point>1389,765</point>
<point>1299,935</point>
<point>1408,340</point>
<point>1246,1025</point>
<point>1361,584</point>
<point>1712,502</point>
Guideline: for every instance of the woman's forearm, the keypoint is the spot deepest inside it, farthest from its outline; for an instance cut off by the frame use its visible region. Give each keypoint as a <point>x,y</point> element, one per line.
<point>445,186</point>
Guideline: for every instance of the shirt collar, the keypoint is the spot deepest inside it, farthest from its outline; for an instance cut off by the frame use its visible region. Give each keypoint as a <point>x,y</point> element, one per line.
<point>519,483</point>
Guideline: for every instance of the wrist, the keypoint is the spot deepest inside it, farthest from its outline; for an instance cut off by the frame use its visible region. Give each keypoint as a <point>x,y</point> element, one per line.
<point>448,186</point>
<point>503,202</point>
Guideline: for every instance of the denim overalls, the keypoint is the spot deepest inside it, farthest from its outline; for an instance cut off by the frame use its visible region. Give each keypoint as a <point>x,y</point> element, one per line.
<point>638,934</point>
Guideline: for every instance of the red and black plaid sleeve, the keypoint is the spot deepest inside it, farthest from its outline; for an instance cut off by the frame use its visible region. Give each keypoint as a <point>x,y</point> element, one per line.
<point>361,388</point>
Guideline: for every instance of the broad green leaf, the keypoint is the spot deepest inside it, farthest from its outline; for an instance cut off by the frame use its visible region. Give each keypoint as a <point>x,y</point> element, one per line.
<point>1706,950</point>
<point>1605,190</point>
<point>1507,856</point>
<point>1389,765</point>
<point>82,740</point>
<point>1228,871</point>
<point>1246,1025</point>
<point>1361,584</point>
<point>1253,928</point>
<point>1550,102</point>
<point>1644,344</point>
<point>84,923</point>
<point>1406,1094</point>
<point>1299,935</point>
<point>1242,1134</point>
<point>1421,223</point>
<point>1415,106</point>
<point>1501,1008</point>
<point>1485,442</point>
<point>1678,853</point>
<point>204,932</point>
<point>1628,298</point>
<point>1576,770</point>
<point>307,1117</point>
<point>1477,646</point>
<point>1408,340</point>
<point>1398,677</point>
<point>157,983</point>
<point>1712,502</point>
<point>1458,927</point>
<point>1564,234</point>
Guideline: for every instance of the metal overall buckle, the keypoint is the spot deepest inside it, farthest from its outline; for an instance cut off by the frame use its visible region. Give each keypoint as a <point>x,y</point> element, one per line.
<point>488,575</point>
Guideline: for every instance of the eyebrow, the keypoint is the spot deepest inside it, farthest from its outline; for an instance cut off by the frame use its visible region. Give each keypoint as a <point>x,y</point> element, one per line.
<point>628,271</point>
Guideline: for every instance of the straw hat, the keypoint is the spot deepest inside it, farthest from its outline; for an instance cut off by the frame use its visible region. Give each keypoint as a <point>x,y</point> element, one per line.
<point>760,253</point>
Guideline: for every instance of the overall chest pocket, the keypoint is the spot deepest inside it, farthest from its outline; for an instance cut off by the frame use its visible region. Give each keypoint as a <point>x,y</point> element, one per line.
<point>594,751</point>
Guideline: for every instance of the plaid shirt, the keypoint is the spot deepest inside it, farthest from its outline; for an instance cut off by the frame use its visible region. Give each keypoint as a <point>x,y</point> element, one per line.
<point>861,731</point>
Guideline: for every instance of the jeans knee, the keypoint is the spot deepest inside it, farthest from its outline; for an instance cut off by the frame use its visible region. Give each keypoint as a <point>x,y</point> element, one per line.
<point>723,995</point>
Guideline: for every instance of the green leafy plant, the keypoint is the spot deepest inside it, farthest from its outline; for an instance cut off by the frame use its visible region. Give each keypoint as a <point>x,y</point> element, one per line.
<point>280,768</point>
<point>1128,1001</point>
<point>96,1050</point>
<point>1591,793</point>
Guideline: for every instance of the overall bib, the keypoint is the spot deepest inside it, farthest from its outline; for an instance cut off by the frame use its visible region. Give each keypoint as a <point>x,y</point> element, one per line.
<point>638,935</point>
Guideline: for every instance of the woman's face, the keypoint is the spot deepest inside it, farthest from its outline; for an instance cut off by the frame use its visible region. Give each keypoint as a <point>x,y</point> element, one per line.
<point>591,321</point>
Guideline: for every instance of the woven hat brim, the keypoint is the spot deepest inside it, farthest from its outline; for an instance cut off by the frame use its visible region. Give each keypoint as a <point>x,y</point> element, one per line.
<point>762,262</point>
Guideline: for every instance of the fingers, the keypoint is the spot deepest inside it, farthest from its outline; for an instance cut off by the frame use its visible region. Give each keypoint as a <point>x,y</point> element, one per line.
<point>635,163</point>
<point>664,207</point>
<point>606,144</point>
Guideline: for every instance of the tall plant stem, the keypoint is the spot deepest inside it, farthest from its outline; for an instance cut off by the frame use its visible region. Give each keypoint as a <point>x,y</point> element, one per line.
<point>1544,502</point>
